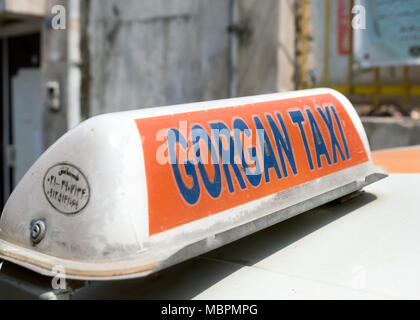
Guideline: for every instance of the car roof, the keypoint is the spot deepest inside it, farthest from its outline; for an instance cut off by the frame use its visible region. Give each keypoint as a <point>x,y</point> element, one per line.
<point>364,248</point>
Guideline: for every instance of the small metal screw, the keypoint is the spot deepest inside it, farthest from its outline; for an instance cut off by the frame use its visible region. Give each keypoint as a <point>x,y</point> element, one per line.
<point>38,231</point>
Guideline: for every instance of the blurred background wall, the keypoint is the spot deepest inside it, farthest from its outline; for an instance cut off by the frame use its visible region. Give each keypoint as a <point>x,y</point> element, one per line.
<point>142,53</point>
<point>63,61</point>
<point>66,60</point>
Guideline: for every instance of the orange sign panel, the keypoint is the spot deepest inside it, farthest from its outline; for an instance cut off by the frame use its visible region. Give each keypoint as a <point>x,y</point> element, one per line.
<point>204,162</point>
<point>399,160</point>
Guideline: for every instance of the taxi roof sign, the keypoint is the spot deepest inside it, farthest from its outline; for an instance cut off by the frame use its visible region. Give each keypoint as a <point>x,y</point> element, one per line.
<point>126,194</point>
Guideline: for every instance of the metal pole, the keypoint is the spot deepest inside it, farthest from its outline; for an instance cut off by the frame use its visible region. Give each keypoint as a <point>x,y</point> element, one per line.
<point>303,37</point>
<point>377,87</point>
<point>6,118</point>
<point>74,76</point>
<point>233,50</point>
<point>406,88</point>
<point>350,61</point>
<point>326,43</point>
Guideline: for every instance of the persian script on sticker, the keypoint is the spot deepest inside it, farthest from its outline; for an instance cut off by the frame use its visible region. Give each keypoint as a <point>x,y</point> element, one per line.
<point>66,188</point>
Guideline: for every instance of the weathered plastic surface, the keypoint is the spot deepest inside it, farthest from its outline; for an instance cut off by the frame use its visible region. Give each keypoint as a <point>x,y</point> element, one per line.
<point>126,194</point>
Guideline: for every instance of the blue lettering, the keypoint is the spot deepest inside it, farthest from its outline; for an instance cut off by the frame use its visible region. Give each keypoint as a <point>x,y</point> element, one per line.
<point>191,195</point>
<point>334,142</point>
<point>320,147</point>
<point>283,144</point>
<point>343,137</point>
<point>253,178</point>
<point>213,188</point>
<point>297,118</point>
<point>219,129</point>
<point>269,157</point>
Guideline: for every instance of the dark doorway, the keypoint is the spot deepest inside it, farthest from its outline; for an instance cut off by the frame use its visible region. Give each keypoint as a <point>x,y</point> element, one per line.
<point>2,165</point>
<point>17,54</point>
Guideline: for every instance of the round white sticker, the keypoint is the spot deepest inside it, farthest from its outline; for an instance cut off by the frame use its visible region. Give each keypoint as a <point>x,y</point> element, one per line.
<point>66,188</point>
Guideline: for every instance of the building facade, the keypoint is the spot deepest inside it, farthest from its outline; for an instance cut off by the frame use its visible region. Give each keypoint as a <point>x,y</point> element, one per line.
<point>63,61</point>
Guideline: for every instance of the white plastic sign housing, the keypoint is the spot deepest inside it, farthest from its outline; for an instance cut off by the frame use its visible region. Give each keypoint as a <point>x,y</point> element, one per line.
<point>126,194</point>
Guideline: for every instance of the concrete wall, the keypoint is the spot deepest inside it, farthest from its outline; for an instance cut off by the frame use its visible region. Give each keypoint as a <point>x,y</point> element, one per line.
<point>286,46</point>
<point>141,53</point>
<point>257,54</point>
<point>144,53</point>
<point>54,51</point>
<point>391,132</point>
